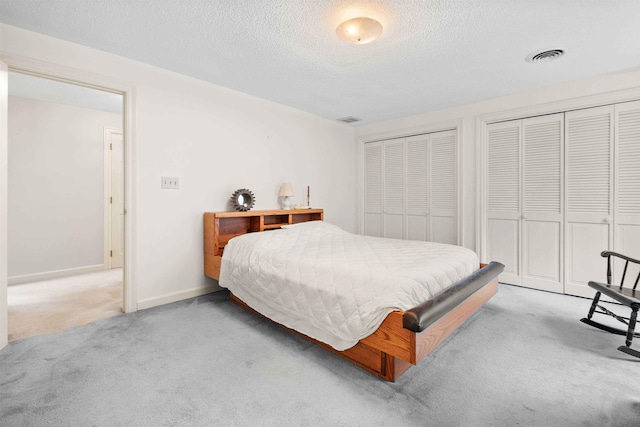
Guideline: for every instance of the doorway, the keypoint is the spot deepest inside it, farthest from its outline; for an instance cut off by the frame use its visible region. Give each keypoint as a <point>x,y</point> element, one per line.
<point>65,215</point>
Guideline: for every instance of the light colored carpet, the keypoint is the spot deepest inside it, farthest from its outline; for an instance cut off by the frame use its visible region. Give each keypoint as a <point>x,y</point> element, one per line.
<point>523,360</point>
<point>53,305</point>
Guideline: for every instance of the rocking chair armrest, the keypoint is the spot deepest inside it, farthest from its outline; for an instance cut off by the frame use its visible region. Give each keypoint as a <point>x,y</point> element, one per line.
<point>606,254</point>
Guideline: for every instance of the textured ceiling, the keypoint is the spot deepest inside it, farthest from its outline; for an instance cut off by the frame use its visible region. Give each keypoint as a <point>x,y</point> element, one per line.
<point>432,53</point>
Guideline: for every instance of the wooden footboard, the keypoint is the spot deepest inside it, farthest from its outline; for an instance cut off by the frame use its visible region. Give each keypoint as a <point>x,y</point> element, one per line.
<point>392,348</point>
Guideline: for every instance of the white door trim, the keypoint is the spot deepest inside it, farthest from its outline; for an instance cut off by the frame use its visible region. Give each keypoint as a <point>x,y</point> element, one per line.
<point>128,90</point>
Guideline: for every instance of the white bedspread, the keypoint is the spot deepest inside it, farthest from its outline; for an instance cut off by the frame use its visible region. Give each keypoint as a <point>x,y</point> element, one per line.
<point>335,286</point>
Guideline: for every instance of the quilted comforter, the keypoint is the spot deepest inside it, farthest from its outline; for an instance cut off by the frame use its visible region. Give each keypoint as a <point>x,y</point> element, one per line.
<point>335,286</point>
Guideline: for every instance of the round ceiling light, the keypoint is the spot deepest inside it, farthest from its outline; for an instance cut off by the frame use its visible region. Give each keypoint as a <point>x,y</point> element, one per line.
<point>359,30</point>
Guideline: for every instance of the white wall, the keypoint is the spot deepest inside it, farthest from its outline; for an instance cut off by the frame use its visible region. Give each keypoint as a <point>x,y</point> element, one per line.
<point>470,114</point>
<point>56,186</point>
<point>215,140</point>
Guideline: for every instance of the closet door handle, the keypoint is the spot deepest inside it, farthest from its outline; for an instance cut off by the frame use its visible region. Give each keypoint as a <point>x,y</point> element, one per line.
<point>607,220</point>
<point>524,217</point>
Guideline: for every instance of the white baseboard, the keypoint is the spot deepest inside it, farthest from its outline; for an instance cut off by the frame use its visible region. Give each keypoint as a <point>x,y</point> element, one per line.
<point>48,275</point>
<point>176,296</point>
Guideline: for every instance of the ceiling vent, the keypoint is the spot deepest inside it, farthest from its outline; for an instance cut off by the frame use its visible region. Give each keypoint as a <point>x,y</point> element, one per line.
<point>349,119</point>
<point>545,55</point>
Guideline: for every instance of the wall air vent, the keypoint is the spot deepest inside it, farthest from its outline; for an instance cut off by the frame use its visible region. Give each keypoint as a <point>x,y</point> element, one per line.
<point>545,55</point>
<point>349,119</point>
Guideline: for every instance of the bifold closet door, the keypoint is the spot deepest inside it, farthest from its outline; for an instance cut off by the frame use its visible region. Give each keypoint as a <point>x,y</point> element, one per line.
<point>373,189</point>
<point>394,190</point>
<point>384,187</point>
<point>627,183</point>
<point>410,186</point>
<point>589,152</point>
<point>561,189</point>
<point>443,188</point>
<point>417,150</point>
<point>525,200</point>
<point>503,198</point>
<point>542,207</point>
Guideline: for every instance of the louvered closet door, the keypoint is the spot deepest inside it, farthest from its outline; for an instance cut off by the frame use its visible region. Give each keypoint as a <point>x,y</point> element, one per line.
<point>542,221</point>
<point>417,150</point>
<point>589,196</point>
<point>627,182</point>
<point>394,193</point>
<point>503,198</point>
<point>373,189</point>
<point>443,194</point>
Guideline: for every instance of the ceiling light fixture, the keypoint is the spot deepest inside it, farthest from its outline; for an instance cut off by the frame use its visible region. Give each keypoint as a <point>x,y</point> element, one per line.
<point>359,30</point>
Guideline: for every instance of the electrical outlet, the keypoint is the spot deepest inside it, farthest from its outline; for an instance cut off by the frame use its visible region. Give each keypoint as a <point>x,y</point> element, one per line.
<point>170,183</point>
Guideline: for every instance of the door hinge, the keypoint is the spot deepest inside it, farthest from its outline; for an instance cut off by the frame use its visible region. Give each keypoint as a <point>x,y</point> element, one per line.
<point>110,146</point>
<point>110,199</point>
<point>111,253</point>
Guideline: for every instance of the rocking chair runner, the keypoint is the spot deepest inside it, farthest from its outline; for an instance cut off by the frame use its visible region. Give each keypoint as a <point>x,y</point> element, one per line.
<point>628,297</point>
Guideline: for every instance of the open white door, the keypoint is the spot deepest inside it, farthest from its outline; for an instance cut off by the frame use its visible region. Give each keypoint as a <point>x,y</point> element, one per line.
<point>117,200</point>
<point>4,101</point>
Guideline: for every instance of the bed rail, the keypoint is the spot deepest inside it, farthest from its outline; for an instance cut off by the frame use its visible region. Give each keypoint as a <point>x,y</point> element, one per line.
<point>421,317</point>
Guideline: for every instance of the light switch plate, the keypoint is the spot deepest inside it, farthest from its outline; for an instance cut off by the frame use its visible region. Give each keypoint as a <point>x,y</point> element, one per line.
<point>170,183</point>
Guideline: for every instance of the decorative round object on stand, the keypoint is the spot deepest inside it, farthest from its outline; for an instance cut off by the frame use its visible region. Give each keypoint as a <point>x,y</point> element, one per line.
<point>242,200</point>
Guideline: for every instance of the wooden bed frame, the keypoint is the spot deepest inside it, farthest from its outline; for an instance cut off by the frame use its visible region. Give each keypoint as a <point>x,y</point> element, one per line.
<point>404,338</point>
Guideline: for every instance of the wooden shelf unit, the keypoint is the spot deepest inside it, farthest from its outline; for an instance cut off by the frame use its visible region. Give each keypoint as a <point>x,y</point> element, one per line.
<point>220,227</point>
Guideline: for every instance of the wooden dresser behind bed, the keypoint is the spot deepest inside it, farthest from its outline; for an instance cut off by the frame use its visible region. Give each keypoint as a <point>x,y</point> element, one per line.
<point>220,227</point>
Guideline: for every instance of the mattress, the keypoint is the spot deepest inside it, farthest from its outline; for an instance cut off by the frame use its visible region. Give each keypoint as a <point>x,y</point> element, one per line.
<point>334,286</point>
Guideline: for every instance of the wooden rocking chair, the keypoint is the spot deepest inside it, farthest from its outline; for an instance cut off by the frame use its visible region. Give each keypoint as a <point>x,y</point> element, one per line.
<point>624,296</point>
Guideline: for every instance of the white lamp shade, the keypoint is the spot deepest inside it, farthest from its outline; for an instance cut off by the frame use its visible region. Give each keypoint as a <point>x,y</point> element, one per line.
<point>286,190</point>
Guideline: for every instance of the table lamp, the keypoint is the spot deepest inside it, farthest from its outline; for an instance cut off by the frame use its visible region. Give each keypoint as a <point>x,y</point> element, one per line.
<point>286,191</point>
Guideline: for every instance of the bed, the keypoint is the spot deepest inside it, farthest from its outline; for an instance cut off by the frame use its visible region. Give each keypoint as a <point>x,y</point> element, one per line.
<point>392,315</point>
